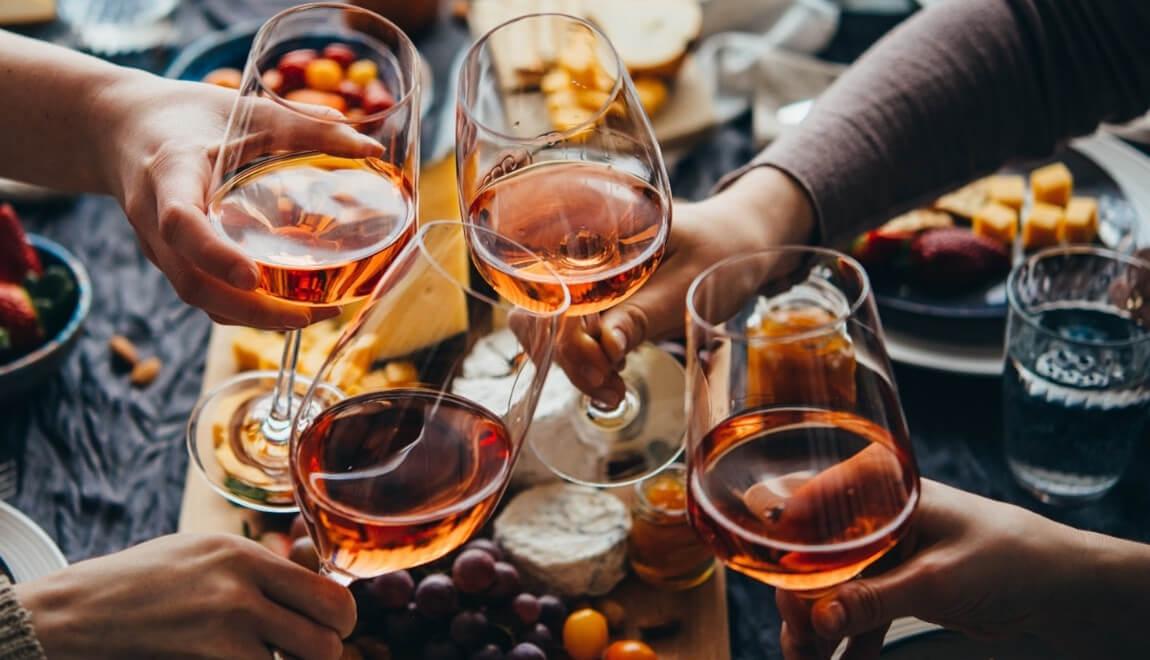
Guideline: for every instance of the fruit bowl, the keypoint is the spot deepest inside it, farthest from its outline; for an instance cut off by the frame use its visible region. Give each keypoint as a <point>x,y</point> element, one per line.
<point>33,368</point>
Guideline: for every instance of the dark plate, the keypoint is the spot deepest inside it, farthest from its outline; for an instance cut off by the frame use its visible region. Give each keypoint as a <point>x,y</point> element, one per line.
<point>1116,217</point>
<point>230,47</point>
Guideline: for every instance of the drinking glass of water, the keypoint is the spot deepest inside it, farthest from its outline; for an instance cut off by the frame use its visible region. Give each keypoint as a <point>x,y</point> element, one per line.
<point>1077,381</point>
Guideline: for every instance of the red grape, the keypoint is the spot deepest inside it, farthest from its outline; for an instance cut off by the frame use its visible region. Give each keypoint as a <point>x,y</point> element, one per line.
<point>469,629</point>
<point>298,528</point>
<point>391,590</point>
<point>507,582</point>
<point>527,608</point>
<point>341,53</point>
<point>441,649</point>
<point>487,545</point>
<point>552,612</point>
<point>474,571</point>
<point>403,626</point>
<point>540,636</point>
<point>435,597</point>
<point>526,651</point>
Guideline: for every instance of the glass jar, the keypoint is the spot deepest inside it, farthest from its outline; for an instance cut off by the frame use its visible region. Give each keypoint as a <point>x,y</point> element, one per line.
<point>663,549</point>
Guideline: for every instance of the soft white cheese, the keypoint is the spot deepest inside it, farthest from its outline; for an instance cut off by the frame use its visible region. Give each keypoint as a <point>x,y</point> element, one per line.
<point>569,538</point>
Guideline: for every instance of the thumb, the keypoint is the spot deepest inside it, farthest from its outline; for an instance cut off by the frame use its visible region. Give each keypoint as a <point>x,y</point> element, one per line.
<point>654,312</point>
<point>863,605</point>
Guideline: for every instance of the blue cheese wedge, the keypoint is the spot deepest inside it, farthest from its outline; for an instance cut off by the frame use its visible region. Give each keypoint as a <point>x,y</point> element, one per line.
<point>571,539</point>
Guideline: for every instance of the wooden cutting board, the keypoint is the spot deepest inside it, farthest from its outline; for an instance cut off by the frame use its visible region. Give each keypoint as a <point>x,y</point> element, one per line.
<point>702,612</point>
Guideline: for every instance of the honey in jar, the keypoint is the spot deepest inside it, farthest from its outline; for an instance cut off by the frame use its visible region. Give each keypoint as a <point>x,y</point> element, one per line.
<point>798,354</point>
<point>664,550</point>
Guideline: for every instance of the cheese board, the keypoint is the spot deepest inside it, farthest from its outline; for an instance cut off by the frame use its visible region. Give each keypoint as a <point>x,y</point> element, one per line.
<point>698,615</point>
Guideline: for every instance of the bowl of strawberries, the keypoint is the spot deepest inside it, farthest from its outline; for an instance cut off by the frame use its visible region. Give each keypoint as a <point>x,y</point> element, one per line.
<point>45,295</point>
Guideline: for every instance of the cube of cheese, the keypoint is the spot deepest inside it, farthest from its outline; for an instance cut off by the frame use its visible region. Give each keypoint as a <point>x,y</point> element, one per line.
<point>1052,184</point>
<point>1007,190</point>
<point>1081,224</point>
<point>1041,226</point>
<point>996,221</point>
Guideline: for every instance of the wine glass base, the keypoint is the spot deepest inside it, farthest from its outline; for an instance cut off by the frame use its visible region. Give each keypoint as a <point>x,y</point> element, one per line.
<point>241,455</point>
<point>620,449</point>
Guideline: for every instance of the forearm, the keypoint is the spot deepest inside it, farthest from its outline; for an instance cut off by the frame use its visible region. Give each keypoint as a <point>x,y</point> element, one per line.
<point>955,92</point>
<point>1101,608</point>
<point>54,114</point>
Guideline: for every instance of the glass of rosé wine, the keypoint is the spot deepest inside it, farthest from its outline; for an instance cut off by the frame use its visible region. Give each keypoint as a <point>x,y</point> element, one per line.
<point>800,470</point>
<point>442,383</point>
<point>315,181</point>
<point>555,151</point>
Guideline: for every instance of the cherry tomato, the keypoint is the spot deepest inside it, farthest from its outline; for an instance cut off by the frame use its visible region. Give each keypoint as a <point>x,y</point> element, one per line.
<point>293,65</point>
<point>362,72</point>
<point>376,98</point>
<point>342,54</point>
<point>629,650</point>
<point>323,75</point>
<point>273,80</point>
<point>352,93</point>
<point>318,98</point>
<point>585,634</point>
<point>229,78</point>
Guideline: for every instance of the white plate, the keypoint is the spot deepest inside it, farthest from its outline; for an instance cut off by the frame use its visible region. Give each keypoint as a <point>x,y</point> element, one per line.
<point>919,351</point>
<point>26,549</point>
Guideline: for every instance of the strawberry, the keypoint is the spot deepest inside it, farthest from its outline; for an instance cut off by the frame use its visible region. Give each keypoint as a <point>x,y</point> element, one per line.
<point>880,249</point>
<point>18,259</point>
<point>18,317</point>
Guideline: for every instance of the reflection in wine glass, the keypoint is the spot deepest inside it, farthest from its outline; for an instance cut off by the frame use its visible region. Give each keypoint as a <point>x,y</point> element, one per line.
<point>321,224</point>
<point>568,167</point>
<point>403,475</point>
<point>800,465</point>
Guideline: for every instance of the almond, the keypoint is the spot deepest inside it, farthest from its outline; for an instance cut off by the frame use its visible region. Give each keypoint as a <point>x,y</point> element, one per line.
<point>124,350</point>
<point>145,372</point>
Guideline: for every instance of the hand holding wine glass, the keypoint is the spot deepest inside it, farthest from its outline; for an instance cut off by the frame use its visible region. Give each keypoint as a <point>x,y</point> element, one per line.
<point>800,466</point>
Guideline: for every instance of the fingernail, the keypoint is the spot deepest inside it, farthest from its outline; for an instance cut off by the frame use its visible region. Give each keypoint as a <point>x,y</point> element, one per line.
<point>591,376</point>
<point>835,616</point>
<point>607,396</point>
<point>370,145</point>
<point>243,277</point>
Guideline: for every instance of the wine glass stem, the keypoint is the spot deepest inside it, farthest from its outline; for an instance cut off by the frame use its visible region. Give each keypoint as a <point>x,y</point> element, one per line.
<point>277,425</point>
<point>338,578</point>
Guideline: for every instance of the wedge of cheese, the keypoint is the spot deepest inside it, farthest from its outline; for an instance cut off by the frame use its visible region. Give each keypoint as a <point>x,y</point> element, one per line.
<point>1041,226</point>
<point>1053,184</point>
<point>996,221</point>
<point>1081,223</point>
<point>406,320</point>
<point>1008,190</point>
<point>651,36</point>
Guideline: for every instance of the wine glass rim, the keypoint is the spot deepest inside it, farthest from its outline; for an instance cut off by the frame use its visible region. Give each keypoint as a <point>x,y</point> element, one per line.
<point>551,136</point>
<point>400,103</point>
<point>559,310</point>
<point>696,317</point>
<point>1019,309</point>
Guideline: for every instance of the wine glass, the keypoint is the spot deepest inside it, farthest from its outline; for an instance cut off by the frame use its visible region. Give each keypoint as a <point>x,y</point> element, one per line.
<point>554,150</point>
<point>404,472</point>
<point>800,469</point>
<point>292,190</point>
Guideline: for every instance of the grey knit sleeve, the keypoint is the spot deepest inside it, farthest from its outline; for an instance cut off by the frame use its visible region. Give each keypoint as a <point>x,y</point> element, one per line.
<point>17,638</point>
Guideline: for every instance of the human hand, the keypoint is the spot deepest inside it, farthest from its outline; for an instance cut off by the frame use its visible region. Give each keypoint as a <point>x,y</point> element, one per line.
<point>761,209</point>
<point>189,597</point>
<point>971,564</point>
<point>157,143</point>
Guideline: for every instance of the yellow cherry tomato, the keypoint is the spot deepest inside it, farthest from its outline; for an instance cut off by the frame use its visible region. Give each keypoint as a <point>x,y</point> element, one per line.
<point>585,634</point>
<point>629,650</point>
<point>323,75</point>
<point>362,72</point>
